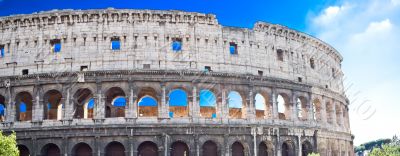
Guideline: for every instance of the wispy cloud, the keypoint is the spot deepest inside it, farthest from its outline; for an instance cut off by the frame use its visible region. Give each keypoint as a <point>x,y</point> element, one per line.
<point>367,35</point>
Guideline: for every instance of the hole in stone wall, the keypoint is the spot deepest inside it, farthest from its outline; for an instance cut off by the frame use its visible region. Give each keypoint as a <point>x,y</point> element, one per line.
<point>115,43</point>
<point>260,73</point>
<point>207,69</point>
<point>84,68</point>
<point>55,45</point>
<point>279,53</point>
<point>233,48</point>
<point>25,72</point>
<point>146,66</point>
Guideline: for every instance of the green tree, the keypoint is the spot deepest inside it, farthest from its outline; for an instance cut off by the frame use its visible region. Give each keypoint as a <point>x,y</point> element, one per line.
<point>313,154</point>
<point>386,150</point>
<point>8,145</point>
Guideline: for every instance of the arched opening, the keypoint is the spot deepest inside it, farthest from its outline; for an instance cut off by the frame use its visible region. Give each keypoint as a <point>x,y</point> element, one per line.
<point>288,149</point>
<point>263,109</point>
<point>265,149</point>
<point>302,108</point>
<point>210,149</point>
<point>178,103</point>
<point>115,149</point>
<point>284,107</point>
<point>329,113</point>
<point>23,150</point>
<point>82,149</point>
<point>88,109</point>
<point>51,150</point>
<point>147,148</point>
<point>235,103</point>
<point>83,104</point>
<point>53,106</point>
<point>148,103</point>
<point>338,115</point>
<point>116,102</point>
<point>2,109</point>
<point>24,106</point>
<point>179,148</point>
<point>306,148</point>
<point>237,149</point>
<point>208,103</point>
<point>317,110</point>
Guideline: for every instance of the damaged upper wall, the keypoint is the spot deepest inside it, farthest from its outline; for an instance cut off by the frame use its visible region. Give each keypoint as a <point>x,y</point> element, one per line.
<point>114,39</point>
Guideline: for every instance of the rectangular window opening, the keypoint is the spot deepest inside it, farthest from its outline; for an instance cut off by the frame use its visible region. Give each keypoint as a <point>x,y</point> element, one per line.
<point>115,43</point>
<point>300,79</point>
<point>84,68</point>
<point>233,48</point>
<point>146,66</point>
<point>312,64</point>
<point>207,69</point>
<point>2,51</point>
<point>260,73</point>
<point>279,53</point>
<point>177,44</point>
<point>25,72</point>
<point>55,45</point>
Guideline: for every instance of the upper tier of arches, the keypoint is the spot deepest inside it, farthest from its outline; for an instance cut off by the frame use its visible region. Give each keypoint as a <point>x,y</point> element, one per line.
<point>112,39</point>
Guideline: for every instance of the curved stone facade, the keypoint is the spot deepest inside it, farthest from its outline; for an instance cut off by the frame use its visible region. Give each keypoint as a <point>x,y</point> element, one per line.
<point>65,73</point>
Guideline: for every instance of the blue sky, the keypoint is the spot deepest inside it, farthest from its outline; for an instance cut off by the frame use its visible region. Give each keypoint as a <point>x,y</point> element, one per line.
<point>366,33</point>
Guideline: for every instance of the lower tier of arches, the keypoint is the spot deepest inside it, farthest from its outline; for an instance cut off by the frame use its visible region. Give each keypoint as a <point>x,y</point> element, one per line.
<point>181,141</point>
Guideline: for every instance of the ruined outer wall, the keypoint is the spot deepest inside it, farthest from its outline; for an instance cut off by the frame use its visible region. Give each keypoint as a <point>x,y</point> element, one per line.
<point>146,37</point>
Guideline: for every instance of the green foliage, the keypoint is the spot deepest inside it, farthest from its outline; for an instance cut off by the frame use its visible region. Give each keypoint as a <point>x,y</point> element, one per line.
<point>371,145</point>
<point>313,154</point>
<point>8,145</point>
<point>386,150</point>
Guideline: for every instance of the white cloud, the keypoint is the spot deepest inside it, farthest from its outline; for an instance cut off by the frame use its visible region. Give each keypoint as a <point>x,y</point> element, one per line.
<point>366,33</point>
<point>329,15</point>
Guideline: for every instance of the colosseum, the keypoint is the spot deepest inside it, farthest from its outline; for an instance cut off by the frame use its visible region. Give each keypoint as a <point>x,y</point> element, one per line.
<point>122,82</point>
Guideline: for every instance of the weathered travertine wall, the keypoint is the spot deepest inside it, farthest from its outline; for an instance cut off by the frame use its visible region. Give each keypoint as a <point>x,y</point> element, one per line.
<point>271,60</point>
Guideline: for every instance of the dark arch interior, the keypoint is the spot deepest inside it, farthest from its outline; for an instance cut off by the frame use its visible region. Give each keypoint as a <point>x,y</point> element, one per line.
<point>147,149</point>
<point>237,149</point>
<point>51,100</point>
<point>111,95</point>
<point>115,149</point>
<point>210,149</point>
<point>82,149</point>
<point>263,149</point>
<point>287,149</point>
<point>179,149</point>
<point>306,148</point>
<point>24,106</point>
<point>81,96</point>
<point>23,150</point>
<point>51,150</point>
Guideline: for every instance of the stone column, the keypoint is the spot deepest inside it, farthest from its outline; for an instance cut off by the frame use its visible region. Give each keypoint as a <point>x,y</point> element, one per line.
<point>299,145</point>
<point>37,104</point>
<point>131,112</point>
<point>226,147</point>
<point>224,105</point>
<point>68,105</point>
<point>334,117</point>
<point>323,111</point>
<point>310,108</point>
<point>251,112</point>
<point>163,109</point>
<point>195,104</point>
<point>293,103</point>
<point>11,107</point>
<point>274,105</point>
<point>100,103</point>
